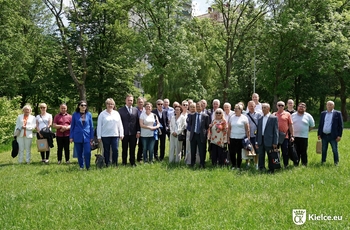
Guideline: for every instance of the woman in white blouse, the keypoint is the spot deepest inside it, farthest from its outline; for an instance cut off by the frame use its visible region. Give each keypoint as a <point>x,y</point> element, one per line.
<point>25,124</point>
<point>109,130</point>
<point>177,127</point>
<point>44,119</point>
<point>238,129</point>
<point>148,123</point>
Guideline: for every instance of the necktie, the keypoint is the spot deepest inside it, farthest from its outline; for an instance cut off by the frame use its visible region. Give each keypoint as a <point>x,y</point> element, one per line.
<point>130,111</point>
<point>197,123</point>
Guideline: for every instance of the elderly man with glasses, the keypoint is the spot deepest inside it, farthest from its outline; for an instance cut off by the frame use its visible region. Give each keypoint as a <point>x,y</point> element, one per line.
<point>285,128</point>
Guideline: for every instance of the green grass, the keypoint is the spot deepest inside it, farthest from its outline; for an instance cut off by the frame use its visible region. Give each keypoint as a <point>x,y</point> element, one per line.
<point>163,196</point>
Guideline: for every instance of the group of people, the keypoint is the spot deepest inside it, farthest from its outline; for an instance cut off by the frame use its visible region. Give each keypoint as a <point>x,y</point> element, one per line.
<point>191,128</point>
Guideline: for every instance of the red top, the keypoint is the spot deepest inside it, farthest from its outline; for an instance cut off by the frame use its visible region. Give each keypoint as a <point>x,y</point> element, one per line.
<point>65,120</point>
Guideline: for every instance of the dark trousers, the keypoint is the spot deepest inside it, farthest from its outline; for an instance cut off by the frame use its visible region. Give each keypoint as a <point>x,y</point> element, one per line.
<point>262,151</point>
<point>217,155</point>
<point>129,141</point>
<point>236,152</point>
<point>109,142</point>
<point>43,157</point>
<point>301,148</point>
<point>161,139</point>
<point>284,148</point>
<point>327,138</point>
<point>139,150</point>
<point>196,141</point>
<point>62,143</point>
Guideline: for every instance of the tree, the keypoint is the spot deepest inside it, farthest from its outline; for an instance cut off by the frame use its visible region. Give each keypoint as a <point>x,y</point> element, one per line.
<point>224,35</point>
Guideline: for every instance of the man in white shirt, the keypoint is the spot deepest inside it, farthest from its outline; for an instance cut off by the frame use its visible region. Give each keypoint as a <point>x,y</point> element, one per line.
<point>303,122</point>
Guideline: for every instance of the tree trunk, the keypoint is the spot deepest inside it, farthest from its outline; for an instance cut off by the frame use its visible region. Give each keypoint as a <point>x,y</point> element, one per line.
<point>160,86</point>
<point>343,98</point>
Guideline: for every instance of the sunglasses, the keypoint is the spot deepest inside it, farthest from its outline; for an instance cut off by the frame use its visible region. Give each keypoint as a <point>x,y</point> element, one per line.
<point>218,113</point>
<point>185,105</point>
<point>42,107</point>
<point>280,105</point>
<point>83,105</point>
<point>159,104</point>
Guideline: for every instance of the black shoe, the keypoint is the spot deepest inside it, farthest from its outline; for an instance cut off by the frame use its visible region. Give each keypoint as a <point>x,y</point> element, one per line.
<point>133,165</point>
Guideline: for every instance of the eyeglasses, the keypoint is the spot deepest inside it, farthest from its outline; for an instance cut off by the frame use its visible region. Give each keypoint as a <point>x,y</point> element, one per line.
<point>83,105</point>
<point>109,104</point>
<point>302,106</point>
<point>280,105</point>
<point>159,104</point>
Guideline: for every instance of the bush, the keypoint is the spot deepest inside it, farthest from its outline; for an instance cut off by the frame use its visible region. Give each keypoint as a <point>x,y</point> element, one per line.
<point>9,110</point>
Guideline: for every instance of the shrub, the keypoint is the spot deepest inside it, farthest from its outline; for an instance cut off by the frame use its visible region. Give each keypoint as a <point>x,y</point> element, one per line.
<point>9,110</point>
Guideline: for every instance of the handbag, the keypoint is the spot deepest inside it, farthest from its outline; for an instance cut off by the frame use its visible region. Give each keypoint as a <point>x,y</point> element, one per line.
<point>181,137</point>
<point>292,153</point>
<point>42,145</point>
<point>319,147</point>
<point>274,159</point>
<point>281,137</point>
<point>15,148</point>
<point>94,144</point>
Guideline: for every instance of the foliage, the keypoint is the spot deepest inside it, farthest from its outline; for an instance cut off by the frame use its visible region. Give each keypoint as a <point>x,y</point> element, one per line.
<point>8,115</point>
<point>163,196</point>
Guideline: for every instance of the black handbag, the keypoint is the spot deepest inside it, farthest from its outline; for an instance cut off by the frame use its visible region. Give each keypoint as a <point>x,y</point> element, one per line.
<point>181,137</point>
<point>15,148</point>
<point>274,159</point>
<point>292,153</point>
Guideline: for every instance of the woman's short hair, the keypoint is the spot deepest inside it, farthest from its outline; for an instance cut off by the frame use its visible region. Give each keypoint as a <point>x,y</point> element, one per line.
<point>240,106</point>
<point>220,110</point>
<point>79,103</point>
<point>109,100</point>
<point>148,103</point>
<point>42,105</point>
<point>27,106</point>
<point>178,107</point>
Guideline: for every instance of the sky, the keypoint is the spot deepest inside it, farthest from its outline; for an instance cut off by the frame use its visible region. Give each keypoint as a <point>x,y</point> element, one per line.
<point>203,6</point>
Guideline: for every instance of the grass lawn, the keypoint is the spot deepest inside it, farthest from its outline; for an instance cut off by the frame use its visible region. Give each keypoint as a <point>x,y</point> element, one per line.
<point>163,196</point>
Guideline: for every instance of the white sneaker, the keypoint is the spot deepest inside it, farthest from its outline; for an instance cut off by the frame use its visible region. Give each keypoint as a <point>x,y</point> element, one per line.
<point>233,168</point>
<point>257,167</point>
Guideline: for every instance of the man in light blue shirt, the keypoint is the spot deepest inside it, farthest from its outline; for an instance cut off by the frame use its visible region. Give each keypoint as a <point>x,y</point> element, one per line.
<point>303,122</point>
<point>330,130</point>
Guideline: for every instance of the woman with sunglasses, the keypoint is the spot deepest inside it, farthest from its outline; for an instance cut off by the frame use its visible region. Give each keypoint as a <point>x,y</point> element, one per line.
<point>43,120</point>
<point>82,134</point>
<point>217,136</point>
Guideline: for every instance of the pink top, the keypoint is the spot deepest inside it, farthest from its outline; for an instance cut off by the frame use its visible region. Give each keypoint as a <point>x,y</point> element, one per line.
<point>65,120</point>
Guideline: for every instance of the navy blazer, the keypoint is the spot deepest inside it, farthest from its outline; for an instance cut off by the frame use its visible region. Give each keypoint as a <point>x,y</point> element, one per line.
<point>130,122</point>
<point>337,124</point>
<point>204,122</point>
<point>271,131</point>
<point>164,121</point>
<point>81,133</point>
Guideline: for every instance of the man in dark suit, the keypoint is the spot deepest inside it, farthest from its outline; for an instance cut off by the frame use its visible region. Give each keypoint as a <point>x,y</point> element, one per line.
<point>131,125</point>
<point>330,130</point>
<point>199,123</point>
<point>163,119</point>
<point>267,138</point>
